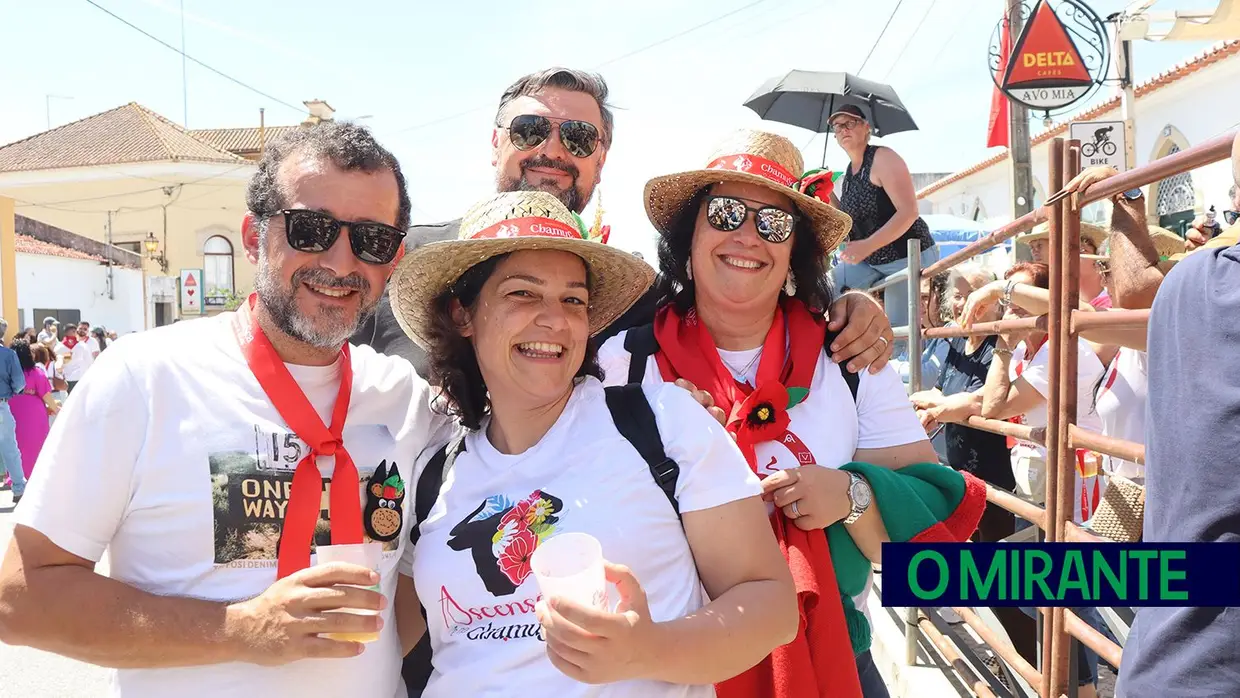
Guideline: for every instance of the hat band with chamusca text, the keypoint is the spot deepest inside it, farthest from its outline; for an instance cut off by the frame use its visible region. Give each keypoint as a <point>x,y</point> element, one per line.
<point>533,226</point>
<point>752,164</point>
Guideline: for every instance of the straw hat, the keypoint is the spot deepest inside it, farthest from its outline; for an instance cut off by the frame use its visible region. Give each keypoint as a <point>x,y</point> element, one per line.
<point>749,157</point>
<point>509,222</point>
<point>1169,245</point>
<point>1095,233</point>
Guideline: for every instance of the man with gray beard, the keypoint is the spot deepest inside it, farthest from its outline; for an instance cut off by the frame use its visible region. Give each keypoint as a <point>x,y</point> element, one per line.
<point>217,438</point>
<point>553,131</point>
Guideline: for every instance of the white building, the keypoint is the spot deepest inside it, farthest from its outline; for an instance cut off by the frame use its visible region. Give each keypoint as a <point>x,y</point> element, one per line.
<point>1187,105</point>
<point>73,278</point>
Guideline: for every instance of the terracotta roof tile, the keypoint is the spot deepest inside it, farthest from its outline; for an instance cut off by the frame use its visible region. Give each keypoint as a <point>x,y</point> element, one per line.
<point>129,133</point>
<point>239,140</point>
<point>29,245</point>
<point>1211,56</point>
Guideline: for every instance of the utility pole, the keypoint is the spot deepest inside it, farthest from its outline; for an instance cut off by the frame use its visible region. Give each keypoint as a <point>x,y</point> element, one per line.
<point>1127,93</point>
<point>1018,130</point>
<point>184,71</point>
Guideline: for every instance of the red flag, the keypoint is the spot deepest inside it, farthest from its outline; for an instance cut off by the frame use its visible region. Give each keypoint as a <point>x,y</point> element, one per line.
<point>997,133</point>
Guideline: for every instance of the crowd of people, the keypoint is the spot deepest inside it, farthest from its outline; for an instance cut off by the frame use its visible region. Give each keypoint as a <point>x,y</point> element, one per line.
<point>40,371</point>
<point>726,426</point>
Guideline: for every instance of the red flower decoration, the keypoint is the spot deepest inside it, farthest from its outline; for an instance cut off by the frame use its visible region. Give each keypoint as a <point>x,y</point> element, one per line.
<point>763,416</point>
<point>514,561</point>
<point>518,513</point>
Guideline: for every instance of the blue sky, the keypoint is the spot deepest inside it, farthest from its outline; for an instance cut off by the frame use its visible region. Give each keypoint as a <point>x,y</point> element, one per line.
<point>428,75</point>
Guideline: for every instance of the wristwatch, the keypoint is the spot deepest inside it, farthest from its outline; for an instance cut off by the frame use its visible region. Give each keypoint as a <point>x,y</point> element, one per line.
<point>1132,194</point>
<point>859,495</point>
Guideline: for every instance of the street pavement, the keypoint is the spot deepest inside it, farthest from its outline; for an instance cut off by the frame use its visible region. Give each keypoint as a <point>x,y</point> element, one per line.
<point>27,673</point>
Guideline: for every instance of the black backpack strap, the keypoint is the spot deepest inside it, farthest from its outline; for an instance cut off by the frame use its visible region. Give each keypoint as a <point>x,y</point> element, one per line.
<point>432,478</point>
<point>635,420</point>
<point>852,378</point>
<point>641,344</point>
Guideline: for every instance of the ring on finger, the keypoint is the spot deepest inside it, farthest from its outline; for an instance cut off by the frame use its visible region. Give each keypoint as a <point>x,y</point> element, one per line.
<point>796,512</point>
<point>884,341</point>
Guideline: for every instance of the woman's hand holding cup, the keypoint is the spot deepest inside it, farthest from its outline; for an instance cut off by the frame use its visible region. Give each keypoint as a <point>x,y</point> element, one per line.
<point>594,645</point>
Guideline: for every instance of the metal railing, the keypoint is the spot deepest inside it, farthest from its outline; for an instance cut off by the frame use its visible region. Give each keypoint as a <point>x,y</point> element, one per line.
<point>1061,436</point>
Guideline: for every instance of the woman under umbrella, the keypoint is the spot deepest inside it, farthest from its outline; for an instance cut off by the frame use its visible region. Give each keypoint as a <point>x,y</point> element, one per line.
<point>877,193</point>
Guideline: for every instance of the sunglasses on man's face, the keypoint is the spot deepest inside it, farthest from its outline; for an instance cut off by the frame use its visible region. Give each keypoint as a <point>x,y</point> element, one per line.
<point>726,213</point>
<point>314,231</point>
<point>1231,217</point>
<point>528,131</point>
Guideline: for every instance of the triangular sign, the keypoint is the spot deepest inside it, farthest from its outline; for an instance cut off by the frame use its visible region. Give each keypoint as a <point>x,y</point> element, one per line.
<point>1045,55</point>
<point>190,280</point>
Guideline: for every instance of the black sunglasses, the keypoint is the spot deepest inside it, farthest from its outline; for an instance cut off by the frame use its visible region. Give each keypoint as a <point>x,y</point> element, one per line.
<point>1231,217</point>
<point>314,231</point>
<point>727,214</point>
<point>528,131</point>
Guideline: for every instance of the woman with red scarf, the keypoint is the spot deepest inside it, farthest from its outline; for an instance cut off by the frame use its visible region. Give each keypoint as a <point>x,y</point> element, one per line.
<point>844,461</point>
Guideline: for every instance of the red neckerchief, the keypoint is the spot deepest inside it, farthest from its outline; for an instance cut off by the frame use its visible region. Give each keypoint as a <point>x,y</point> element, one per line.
<point>759,413</point>
<point>305,501</point>
<point>818,662</point>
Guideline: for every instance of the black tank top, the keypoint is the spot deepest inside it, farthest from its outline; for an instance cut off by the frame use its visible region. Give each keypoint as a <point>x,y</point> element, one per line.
<point>871,208</point>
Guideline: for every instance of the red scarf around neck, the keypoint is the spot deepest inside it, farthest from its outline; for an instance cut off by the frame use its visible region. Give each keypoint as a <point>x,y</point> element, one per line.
<point>305,500</point>
<point>820,661</point>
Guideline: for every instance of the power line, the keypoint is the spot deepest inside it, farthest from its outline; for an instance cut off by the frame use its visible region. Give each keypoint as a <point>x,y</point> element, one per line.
<point>184,56</point>
<point>910,40</point>
<point>876,41</point>
<point>617,59</point>
<point>677,35</point>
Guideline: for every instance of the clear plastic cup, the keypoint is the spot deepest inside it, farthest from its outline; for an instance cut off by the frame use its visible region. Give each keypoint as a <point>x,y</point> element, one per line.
<point>367,555</point>
<point>570,566</point>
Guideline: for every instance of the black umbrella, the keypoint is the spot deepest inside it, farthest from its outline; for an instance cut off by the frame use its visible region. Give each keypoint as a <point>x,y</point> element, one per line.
<point>807,99</point>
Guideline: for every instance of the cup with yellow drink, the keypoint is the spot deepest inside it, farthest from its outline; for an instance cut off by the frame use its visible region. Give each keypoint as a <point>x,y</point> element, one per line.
<point>367,555</point>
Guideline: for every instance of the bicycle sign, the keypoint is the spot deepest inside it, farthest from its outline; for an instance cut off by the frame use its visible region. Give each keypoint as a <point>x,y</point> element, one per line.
<point>1102,143</point>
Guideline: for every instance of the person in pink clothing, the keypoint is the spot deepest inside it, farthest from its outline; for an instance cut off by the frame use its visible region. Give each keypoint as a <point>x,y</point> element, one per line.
<point>32,407</point>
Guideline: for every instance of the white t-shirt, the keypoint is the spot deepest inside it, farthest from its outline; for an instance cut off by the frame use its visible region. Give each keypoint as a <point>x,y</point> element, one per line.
<point>829,423</point>
<point>1036,372</point>
<point>470,566</point>
<point>171,457</point>
<point>80,358</point>
<point>1122,405</point>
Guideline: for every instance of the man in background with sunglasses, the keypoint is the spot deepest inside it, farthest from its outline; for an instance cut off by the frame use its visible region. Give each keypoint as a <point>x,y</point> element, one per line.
<point>552,132</point>
<point>1203,229</point>
<point>231,446</point>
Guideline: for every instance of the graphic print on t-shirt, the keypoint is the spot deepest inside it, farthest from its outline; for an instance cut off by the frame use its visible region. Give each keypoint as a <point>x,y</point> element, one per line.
<point>502,536</point>
<point>250,491</point>
<point>385,494</point>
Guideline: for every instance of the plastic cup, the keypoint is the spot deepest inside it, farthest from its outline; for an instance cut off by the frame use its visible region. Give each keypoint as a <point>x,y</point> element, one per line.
<point>367,555</point>
<point>570,566</point>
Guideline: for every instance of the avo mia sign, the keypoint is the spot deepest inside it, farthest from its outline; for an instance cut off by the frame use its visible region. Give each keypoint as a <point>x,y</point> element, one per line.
<point>1058,58</point>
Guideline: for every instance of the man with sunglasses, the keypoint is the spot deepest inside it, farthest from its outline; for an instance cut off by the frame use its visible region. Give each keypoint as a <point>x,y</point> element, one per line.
<point>233,446</point>
<point>553,130</point>
<point>1203,230</point>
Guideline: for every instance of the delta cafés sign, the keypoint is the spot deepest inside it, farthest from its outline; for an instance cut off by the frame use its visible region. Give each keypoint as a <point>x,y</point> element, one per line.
<point>1059,58</point>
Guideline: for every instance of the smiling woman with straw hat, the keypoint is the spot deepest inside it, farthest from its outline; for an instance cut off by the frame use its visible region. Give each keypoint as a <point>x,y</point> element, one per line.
<point>742,254</point>
<point>506,314</point>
